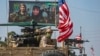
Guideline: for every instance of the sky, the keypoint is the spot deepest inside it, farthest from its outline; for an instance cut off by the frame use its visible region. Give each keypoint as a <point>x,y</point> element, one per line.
<point>84,13</point>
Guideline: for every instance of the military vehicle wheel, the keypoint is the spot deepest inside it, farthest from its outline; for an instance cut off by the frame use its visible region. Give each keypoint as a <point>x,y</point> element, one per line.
<point>52,53</point>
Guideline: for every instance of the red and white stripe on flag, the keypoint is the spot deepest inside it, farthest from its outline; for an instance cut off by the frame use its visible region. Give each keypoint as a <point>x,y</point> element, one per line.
<point>65,25</point>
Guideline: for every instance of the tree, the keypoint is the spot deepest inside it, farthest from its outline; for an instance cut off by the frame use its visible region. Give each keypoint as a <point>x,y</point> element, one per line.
<point>11,33</point>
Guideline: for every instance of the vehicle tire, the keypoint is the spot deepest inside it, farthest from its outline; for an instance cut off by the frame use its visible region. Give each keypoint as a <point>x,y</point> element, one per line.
<point>52,53</point>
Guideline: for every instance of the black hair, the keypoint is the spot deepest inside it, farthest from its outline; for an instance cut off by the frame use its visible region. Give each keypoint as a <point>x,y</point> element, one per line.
<point>36,7</point>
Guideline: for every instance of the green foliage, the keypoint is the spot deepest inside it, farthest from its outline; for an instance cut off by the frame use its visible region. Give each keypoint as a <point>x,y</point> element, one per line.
<point>3,44</point>
<point>11,33</point>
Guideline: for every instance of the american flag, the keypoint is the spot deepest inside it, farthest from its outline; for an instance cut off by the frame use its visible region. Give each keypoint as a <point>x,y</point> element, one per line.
<point>92,51</point>
<point>65,25</point>
<point>78,37</point>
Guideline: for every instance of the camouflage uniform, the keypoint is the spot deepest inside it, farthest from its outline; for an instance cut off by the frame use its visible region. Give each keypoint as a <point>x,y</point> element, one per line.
<point>46,38</point>
<point>17,17</point>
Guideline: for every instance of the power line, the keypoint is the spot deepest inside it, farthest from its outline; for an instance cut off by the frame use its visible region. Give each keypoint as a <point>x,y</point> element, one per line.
<point>83,9</point>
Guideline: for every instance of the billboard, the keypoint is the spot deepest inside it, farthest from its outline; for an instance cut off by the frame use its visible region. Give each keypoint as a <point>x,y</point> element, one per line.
<point>39,11</point>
